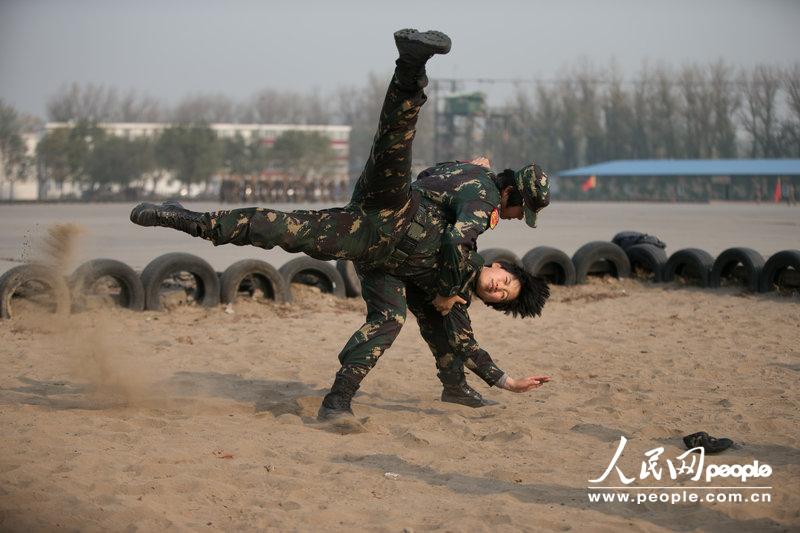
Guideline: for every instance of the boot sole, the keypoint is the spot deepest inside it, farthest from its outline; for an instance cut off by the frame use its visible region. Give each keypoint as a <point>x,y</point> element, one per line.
<point>436,40</point>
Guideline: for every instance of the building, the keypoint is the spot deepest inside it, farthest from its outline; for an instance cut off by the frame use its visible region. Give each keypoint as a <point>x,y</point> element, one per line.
<point>25,188</point>
<point>682,180</point>
<point>334,184</point>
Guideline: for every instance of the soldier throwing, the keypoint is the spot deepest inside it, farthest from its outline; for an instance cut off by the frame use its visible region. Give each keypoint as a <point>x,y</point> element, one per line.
<point>413,246</point>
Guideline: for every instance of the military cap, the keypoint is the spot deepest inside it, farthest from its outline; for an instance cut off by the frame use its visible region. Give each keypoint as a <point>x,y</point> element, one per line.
<point>534,185</point>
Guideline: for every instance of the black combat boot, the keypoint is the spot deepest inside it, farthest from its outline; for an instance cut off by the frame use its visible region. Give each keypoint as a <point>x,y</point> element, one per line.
<point>456,390</point>
<point>336,403</point>
<point>416,48</point>
<point>171,214</point>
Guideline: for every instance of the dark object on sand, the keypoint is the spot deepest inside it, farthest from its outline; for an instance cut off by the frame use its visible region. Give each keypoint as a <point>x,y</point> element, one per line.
<point>647,260</point>
<point>179,271</point>
<point>598,258</point>
<point>701,439</point>
<point>781,271</point>
<point>741,266</point>
<point>313,272</point>
<point>38,284</point>
<point>253,278</point>
<point>91,273</point>
<point>691,264</point>
<point>550,263</point>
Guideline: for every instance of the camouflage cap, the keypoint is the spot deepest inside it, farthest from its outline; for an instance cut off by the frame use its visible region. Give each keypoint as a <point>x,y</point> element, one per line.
<point>534,185</point>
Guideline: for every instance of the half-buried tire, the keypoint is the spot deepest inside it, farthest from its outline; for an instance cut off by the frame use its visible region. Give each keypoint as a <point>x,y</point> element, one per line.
<point>691,264</point>
<point>551,264</point>
<point>647,261</point>
<point>201,284</point>
<point>782,270</point>
<point>490,255</point>
<point>85,281</point>
<point>737,266</point>
<point>37,284</point>
<point>352,285</point>
<point>314,272</point>
<point>598,258</point>
<point>253,278</point>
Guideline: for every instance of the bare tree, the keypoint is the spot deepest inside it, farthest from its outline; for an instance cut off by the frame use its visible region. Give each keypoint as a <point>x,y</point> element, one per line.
<point>790,132</point>
<point>204,109</point>
<point>724,102</point>
<point>759,114</point>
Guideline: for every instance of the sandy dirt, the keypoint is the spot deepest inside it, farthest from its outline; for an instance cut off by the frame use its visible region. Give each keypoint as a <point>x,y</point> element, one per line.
<point>202,419</point>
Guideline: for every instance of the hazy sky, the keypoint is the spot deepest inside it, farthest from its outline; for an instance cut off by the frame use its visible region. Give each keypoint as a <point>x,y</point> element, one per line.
<point>168,49</point>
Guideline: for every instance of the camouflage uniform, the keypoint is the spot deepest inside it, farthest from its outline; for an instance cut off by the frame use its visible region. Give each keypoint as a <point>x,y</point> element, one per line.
<point>446,209</point>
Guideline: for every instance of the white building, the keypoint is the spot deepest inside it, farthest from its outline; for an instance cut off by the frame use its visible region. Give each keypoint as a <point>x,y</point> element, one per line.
<point>266,133</point>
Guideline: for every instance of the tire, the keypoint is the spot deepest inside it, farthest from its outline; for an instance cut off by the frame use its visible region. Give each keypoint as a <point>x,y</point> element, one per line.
<point>162,267</point>
<point>15,278</point>
<point>782,269</point>
<point>727,267</point>
<point>648,258</point>
<point>551,264</point>
<point>600,257</point>
<point>490,255</point>
<point>691,263</point>
<point>130,284</point>
<point>352,285</point>
<point>315,273</point>
<point>253,274</point>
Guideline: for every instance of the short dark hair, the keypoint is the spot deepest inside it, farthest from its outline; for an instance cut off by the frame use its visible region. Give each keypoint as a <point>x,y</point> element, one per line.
<point>533,293</point>
<point>506,179</point>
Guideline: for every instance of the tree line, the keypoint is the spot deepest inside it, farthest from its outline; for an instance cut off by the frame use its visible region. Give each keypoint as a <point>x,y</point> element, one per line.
<point>588,115</point>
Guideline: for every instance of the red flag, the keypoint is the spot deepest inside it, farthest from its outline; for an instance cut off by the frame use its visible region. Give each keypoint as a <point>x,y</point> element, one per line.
<point>776,196</point>
<point>590,183</point>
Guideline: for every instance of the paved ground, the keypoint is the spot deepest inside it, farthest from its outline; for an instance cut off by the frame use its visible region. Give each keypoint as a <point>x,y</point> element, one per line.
<point>767,228</point>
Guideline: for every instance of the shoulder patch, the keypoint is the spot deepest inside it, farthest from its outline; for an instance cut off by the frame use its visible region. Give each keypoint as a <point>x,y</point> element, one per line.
<point>494,218</point>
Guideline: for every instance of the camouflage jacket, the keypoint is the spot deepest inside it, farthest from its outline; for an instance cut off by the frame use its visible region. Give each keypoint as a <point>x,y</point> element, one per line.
<point>468,196</point>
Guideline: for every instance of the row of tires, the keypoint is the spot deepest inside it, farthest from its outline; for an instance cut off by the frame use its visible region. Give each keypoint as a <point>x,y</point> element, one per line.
<point>735,266</point>
<point>188,274</point>
<point>184,273</point>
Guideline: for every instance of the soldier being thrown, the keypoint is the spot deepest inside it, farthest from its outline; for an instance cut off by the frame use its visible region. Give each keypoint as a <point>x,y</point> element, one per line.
<point>413,245</point>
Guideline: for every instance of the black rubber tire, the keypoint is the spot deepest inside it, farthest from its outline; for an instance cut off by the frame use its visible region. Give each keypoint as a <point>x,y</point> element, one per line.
<point>132,290</point>
<point>313,272</point>
<point>551,264</point>
<point>590,254</point>
<point>647,257</point>
<point>623,236</point>
<point>693,263</point>
<point>490,255</point>
<point>12,279</point>
<point>253,271</point>
<point>726,263</point>
<point>775,268</point>
<point>161,267</point>
<point>352,285</point>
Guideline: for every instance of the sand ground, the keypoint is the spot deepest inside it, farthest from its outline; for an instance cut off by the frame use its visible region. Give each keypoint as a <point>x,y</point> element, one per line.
<point>202,419</point>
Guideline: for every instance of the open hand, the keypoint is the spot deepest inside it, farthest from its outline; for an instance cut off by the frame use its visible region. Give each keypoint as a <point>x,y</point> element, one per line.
<point>525,384</point>
<point>444,304</point>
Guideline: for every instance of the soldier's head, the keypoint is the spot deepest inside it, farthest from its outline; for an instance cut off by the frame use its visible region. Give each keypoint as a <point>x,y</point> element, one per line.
<point>509,288</point>
<point>524,192</point>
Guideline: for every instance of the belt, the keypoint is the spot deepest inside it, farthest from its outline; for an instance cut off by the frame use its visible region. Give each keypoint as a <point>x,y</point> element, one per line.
<point>408,243</point>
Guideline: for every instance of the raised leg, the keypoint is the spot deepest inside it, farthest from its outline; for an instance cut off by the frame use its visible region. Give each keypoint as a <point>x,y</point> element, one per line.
<point>386,179</point>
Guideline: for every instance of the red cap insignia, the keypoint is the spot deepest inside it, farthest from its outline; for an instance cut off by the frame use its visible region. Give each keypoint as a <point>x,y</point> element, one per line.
<point>494,219</point>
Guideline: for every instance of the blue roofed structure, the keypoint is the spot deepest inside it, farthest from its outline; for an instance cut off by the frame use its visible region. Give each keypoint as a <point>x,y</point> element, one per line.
<point>689,167</point>
<point>682,180</point>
